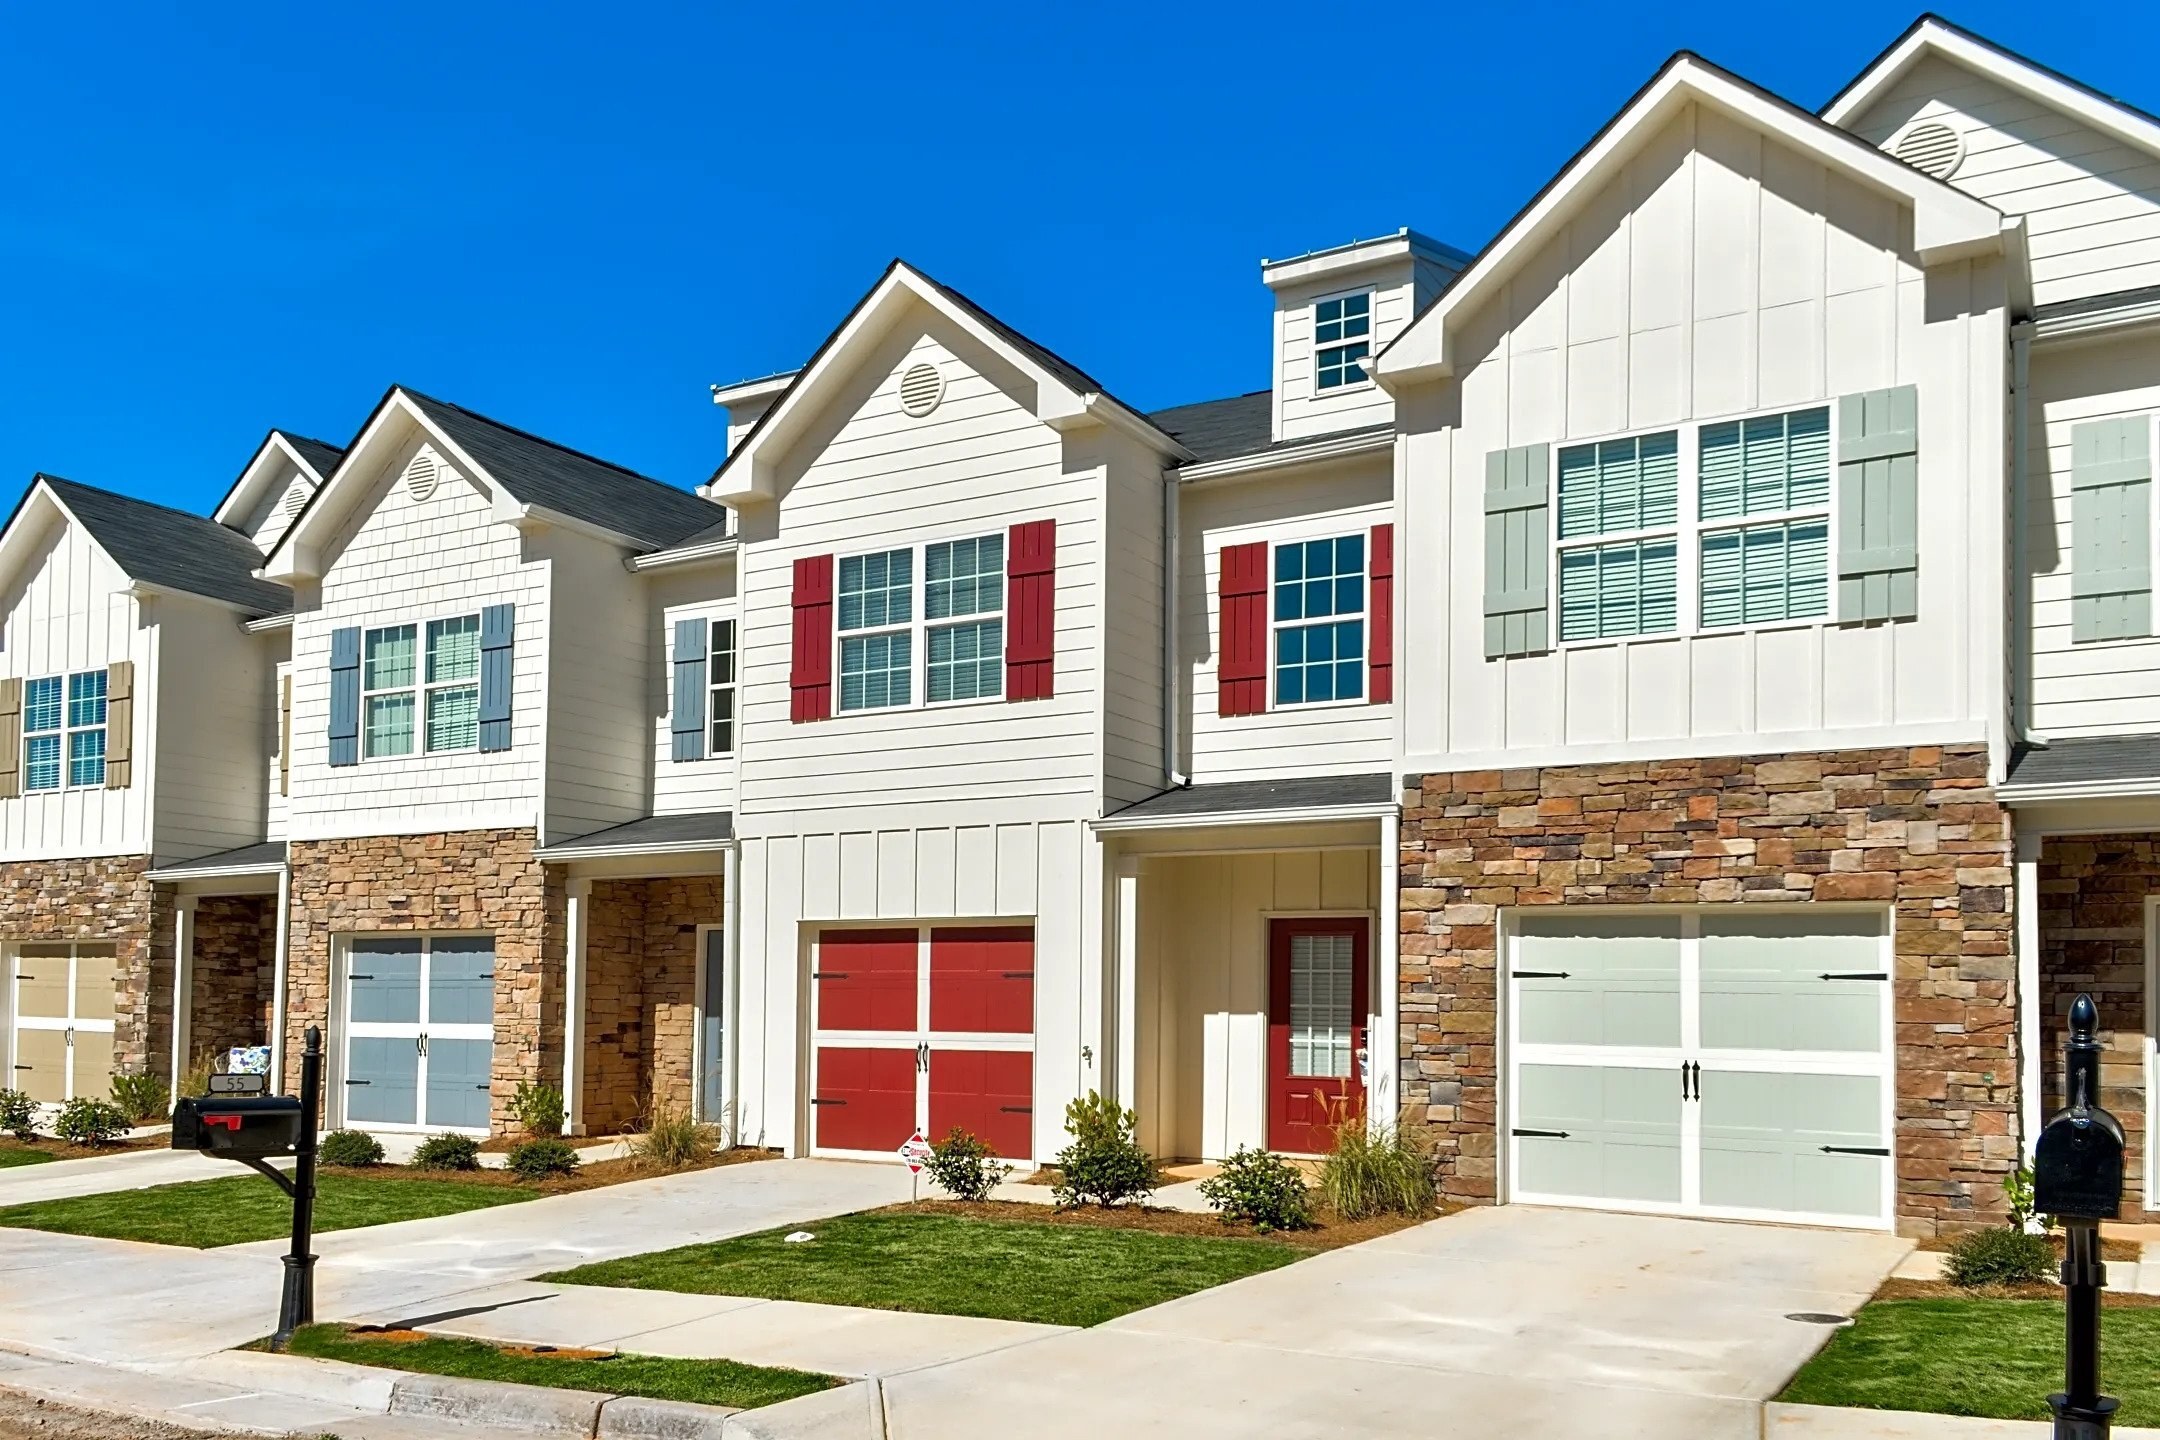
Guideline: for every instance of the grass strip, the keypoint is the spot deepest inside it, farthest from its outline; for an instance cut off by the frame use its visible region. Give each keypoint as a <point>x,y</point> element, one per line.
<point>205,1214</point>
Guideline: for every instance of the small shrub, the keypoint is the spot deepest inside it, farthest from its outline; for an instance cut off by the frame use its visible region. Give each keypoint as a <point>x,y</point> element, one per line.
<point>1999,1257</point>
<point>538,1108</point>
<point>1104,1163</point>
<point>447,1152</point>
<point>672,1140</point>
<point>2018,1191</point>
<point>354,1149</point>
<point>88,1121</point>
<point>1378,1169</point>
<point>143,1097</point>
<point>18,1115</point>
<point>1265,1190</point>
<point>195,1079</point>
<point>540,1158</point>
<point>965,1167</point>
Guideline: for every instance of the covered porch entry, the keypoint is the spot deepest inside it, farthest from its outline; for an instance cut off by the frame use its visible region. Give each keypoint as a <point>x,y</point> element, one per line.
<point>1254,978</point>
<point>229,936</point>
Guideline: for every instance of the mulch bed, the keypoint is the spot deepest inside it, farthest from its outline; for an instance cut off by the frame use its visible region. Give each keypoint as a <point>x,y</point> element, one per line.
<point>592,1176</point>
<point>1329,1231</point>
<point>1944,1290</point>
<point>62,1150</point>
<point>522,1352</point>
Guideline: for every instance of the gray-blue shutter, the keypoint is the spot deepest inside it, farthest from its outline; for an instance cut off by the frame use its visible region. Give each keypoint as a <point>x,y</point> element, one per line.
<point>498,634</point>
<point>1878,496</point>
<point>1518,542</point>
<point>2111,529</point>
<point>345,696</point>
<point>686,716</point>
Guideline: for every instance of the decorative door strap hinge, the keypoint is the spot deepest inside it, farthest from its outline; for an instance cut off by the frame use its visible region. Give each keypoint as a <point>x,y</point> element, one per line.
<point>820,1100</point>
<point>1541,1134</point>
<point>1855,1150</point>
<point>828,974</point>
<point>1541,974</point>
<point>1855,975</point>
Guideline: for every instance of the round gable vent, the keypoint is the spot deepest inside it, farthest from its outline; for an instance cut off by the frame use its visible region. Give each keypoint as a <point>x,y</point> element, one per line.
<point>921,388</point>
<point>1930,147</point>
<point>295,499</point>
<point>422,476</point>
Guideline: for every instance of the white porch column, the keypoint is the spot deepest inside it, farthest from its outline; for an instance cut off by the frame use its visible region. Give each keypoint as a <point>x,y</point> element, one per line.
<point>573,1064</point>
<point>280,1002</point>
<point>1126,1026</point>
<point>731,1003</point>
<point>2032,1049</point>
<point>183,985</point>
<point>1383,1041</point>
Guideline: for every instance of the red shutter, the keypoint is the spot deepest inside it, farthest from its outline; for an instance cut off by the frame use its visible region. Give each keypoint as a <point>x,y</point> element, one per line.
<point>811,674</point>
<point>1030,610</point>
<point>1241,668</point>
<point>1380,616</point>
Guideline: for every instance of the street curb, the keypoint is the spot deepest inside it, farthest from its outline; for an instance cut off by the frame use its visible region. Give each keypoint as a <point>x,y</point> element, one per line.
<point>632,1417</point>
<point>1783,1421</point>
<point>498,1403</point>
<point>337,1382</point>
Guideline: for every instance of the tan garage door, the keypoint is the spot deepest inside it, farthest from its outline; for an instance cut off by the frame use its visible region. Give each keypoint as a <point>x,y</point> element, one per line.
<point>63,1027</point>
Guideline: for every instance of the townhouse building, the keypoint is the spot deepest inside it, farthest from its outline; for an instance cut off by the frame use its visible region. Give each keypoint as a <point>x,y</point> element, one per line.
<point>1665,704</point>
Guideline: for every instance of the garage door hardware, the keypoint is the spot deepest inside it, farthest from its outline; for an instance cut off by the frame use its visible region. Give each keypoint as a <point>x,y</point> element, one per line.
<point>1541,974</point>
<point>1855,1150</point>
<point>1858,975</point>
<point>1542,1134</point>
<point>1016,1109</point>
<point>1016,974</point>
<point>359,1082</point>
<point>1691,1079</point>
<point>828,974</point>
<point>820,1100</point>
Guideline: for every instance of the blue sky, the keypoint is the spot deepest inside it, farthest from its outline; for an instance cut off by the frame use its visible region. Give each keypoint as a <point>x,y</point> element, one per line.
<point>577,217</point>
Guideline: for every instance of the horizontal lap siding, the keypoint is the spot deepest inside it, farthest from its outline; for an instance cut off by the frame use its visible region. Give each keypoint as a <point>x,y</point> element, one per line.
<point>687,786</point>
<point>599,772</point>
<point>1717,274</point>
<point>1305,411</point>
<point>217,721</point>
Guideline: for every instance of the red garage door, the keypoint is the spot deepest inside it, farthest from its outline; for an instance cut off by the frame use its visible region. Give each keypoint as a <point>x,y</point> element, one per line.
<point>927,1028</point>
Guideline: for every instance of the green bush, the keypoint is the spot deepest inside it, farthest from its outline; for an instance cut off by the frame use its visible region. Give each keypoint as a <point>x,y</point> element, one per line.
<point>538,1108</point>
<point>354,1149</point>
<point>541,1158</point>
<point>18,1115</point>
<point>145,1098</point>
<point>447,1152</point>
<point>966,1167</point>
<point>1378,1169</point>
<point>87,1121</point>
<point>195,1079</point>
<point>673,1140</point>
<point>1104,1163</point>
<point>1265,1190</point>
<point>1999,1257</point>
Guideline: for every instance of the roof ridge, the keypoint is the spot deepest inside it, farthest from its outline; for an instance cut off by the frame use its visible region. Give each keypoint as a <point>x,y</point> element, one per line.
<point>524,434</point>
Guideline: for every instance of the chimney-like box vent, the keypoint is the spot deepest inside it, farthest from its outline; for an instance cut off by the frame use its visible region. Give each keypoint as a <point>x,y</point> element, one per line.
<point>1930,147</point>
<point>921,388</point>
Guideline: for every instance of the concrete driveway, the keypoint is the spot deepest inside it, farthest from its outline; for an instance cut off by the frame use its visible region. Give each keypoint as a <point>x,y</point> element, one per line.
<point>1511,1320</point>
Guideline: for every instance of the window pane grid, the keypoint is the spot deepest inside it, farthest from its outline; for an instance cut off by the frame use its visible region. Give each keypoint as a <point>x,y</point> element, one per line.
<point>1316,663</point>
<point>964,577</point>
<point>875,670</point>
<point>1765,464</point>
<point>63,721</point>
<point>86,757</point>
<point>86,699</point>
<point>41,757</point>
<point>1323,581</point>
<point>41,704</point>
<point>967,662</point>
<point>1629,587</point>
<point>877,590</point>
<point>453,649</point>
<point>1320,997</point>
<point>1764,573</point>
<point>388,725</point>
<point>1619,485</point>
<point>453,718</point>
<point>388,661</point>
<point>720,678</point>
<point>1342,330</point>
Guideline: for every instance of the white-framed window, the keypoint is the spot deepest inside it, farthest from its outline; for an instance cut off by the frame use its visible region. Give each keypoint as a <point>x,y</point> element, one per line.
<point>720,688</point>
<point>410,695</point>
<point>1342,338</point>
<point>63,721</point>
<point>1712,526</point>
<point>1317,620</point>
<point>945,645</point>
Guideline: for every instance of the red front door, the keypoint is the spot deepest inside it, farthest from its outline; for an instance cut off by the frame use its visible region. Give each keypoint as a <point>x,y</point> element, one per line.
<point>1317,997</point>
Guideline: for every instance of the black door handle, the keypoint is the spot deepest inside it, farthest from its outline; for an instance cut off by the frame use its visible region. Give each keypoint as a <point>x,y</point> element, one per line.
<point>1697,1065</point>
<point>1855,1150</point>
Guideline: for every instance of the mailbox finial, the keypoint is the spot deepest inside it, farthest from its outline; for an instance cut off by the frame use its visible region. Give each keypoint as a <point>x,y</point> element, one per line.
<point>2084,1019</point>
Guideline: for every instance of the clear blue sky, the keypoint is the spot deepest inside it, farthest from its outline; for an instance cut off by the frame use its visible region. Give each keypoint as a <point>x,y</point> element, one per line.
<point>221,218</point>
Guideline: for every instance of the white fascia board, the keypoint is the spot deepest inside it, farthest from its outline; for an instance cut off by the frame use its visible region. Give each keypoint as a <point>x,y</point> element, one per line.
<point>551,854</point>
<point>2119,788</point>
<point>268,624</point>
<point>684,555</point>
<point>1947,223</point>
<point>38,508</point>
<point>249,487</point>
<point>2097,324</point>
<point>1111,825</point>
<point>743,392</point>
<point>223,872</point>
<point>2009,71</point>
<point>1287,457</point>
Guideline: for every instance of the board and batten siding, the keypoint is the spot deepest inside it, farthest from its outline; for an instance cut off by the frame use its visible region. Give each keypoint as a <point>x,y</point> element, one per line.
<point>2091,202</point>
<point>408,560</point>
<point>1717,274</point>
<point>682,787</point>
<point>73,612</point>
<point>1346,497</point>
<point>600,664</point>
<point>1300,410</point>
<point>216,706</point>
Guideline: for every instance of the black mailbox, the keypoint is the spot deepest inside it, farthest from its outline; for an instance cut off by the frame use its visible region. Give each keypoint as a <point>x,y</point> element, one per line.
<point>240,1127</point>
<point>2078,1160</point>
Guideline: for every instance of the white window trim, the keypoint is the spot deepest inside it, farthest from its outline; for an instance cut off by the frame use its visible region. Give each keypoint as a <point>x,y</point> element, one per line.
<point>1371,339</point>
<point>919,627</point>
<point>1689,527</point>
<point>733,687</point>
<point>66,732</point>
<point>420,688</point>
<point>1364,614</point>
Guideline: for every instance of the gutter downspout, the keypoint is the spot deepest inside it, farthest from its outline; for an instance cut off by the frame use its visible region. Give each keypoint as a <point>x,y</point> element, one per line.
<point>281,1003</point>
<point>1173,777</point>
<point>2020,525</point>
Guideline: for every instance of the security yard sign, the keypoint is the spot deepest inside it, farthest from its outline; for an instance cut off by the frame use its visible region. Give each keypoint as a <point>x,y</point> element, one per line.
<point>916,1152</point>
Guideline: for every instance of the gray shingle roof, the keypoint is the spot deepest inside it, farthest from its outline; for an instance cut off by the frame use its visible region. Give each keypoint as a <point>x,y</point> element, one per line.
<point>654,832</point>
<point>1231,797</point>
<point>266,855</point>
<point>2088,759</point>
<point>322,457</point>
<point>1241,425</point>
<point>161,546</point>
<point>570,482</point>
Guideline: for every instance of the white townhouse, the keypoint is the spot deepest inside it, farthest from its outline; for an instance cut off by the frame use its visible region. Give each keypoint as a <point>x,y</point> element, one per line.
<point>1668,703</point>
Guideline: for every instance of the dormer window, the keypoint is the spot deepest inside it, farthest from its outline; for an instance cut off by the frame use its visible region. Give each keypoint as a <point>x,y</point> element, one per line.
<point>1342,338</point>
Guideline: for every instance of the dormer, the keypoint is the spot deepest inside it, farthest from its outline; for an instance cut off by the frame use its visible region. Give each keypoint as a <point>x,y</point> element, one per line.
<point>1336,307</point>
<point>281,477</point>
<point>746,402</point>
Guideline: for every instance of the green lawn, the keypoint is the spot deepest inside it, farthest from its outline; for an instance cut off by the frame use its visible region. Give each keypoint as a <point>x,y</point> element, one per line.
<point>11,1157</point>
<point>238,1208</point>
<point>1997,1358</point>
<point>701,1382</point>
<point>951,1265</point>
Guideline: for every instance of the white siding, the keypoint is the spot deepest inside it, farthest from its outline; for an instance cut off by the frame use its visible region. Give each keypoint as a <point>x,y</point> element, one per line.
<point>276,782</point>
<point>217,713</point>
<point>270,517</point>
<point>2091,202</point>
<point>1132,647</point>
<point>1300,410</point>
<point>407,560</point>
<point>72,612</point>
<point>1718,274</point>
<point>600,662</point>
<point>1348,497</point>
<point>688,786</point>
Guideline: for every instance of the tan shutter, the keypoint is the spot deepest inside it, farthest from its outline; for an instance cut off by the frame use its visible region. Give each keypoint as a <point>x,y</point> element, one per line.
<point>10,737</point>
<point>284,734</point>
<point>119,724</point>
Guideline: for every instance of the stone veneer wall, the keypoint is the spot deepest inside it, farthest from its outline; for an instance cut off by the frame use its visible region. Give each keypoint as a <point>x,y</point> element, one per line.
<point>109,900</point>
<point>1913,828</point>
<point>641,978</point>
<point>235,964</point>
<point>470,880</point>
<point>2092,938</point>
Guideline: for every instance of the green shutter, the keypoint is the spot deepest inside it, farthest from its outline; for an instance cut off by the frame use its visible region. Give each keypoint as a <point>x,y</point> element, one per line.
<point>2111,529</point>
<point>1878,543</point>
<point>1518,526</point>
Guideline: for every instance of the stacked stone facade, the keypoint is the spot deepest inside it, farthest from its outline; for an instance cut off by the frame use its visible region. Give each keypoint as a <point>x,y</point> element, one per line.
<point>105,899</point>
<point>462,882</point>
<point>641,979</point>
<point>1913,829</point>
<point>234,966</point>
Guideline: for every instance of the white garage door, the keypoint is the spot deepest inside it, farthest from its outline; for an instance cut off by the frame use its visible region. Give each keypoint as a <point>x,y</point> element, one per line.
<point>1702,1064</point>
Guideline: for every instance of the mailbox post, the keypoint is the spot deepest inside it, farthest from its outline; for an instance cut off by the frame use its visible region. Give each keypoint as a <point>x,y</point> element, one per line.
<point>2077,1178</point>
<point>253,1129</point>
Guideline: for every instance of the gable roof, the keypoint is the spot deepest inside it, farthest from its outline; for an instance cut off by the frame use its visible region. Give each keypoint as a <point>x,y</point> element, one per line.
<point>1240,427</point>
<point>1947,222</point>
<point>317,457</point>
<point>166,548</point>
<point>321,456</point>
